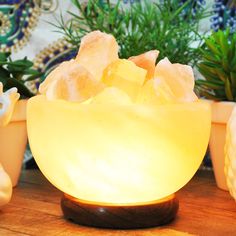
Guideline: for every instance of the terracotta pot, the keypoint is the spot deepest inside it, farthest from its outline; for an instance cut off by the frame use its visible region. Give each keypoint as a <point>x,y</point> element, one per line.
<point>230,154</point>
<point>13,140</point>
<point>221,112</point>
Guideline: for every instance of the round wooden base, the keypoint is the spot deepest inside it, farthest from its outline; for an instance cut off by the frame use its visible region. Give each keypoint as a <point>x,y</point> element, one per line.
<point>120,216</point>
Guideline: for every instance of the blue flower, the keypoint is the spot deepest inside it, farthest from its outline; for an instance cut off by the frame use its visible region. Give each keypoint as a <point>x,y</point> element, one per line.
<point>225,15</point>
<point>195,5</point>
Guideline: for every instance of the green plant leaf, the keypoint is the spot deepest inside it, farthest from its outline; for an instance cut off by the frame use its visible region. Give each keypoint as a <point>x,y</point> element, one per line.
<point>224,42</point>
<point>4,56</point>
<point>225,64</point>
<point>210,64</point>
<point>3,80</point>
<point>4,75</point>
<point>215,37</point>
<point>210,57</point>
<point>212,46</point>
<point>221,73</point>
<point>208,71</point>
<point>32,72</point>
<point>228,91</point>
<point>211,84</point>
<point>209,95</point>
<point>231,51</point>
<point>179,10</point>
<point>14,73</point>
<point>233,79</point>
<point>218,63</point>
<point>33,77</point>
<point>233,63</point>
<point>22,89</point>
<point>19,65</point>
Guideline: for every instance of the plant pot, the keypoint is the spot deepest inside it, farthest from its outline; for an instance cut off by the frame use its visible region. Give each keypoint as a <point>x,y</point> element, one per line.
<point>13,140</point>
<point>230,154</point>
<point>221,112</point>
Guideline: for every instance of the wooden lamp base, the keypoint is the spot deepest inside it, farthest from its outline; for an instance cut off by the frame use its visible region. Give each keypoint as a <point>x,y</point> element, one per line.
<point>120,216</point>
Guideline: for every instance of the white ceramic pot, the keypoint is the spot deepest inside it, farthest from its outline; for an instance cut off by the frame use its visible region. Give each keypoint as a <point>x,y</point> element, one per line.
<point>13,140</point>
<point>221,112</point>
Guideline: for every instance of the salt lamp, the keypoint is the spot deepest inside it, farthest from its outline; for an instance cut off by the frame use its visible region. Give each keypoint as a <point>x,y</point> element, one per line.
<point>120,159</point>
<point>125,75</point>
<point>156,91</point>
<point>97,51</point>
<point>70,81</point>
<point>146,61</point>
<point>179,78</point>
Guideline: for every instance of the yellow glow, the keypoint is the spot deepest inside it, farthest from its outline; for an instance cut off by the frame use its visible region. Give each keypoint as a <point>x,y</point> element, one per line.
<point>115,153</point>
<point>125,75</point>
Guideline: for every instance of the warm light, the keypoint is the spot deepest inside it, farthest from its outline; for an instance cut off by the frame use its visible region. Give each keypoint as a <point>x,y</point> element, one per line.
<point>111,153</point>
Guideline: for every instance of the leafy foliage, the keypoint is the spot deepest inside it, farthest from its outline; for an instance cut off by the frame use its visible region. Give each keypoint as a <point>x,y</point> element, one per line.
<point>167,26</point>
<point>218,66</point>
<point>16,74</point>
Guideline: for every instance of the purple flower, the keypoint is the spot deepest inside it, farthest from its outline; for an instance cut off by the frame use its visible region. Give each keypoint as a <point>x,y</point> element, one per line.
<point>224,15</point>
<point>195,5</point>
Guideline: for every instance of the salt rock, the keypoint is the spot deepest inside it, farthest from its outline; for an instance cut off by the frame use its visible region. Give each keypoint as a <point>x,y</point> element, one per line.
<point>70,81</point>
<point>155,92</point>
<point>146,61</point>
<point>179,78</point>
<point>97,51</point>
<point>125,75</point>
<point>112,95</point>
<point>8,100</point>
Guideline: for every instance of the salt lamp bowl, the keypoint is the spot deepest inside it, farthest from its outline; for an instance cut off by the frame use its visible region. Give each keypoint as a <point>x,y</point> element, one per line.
<point>113,154</point>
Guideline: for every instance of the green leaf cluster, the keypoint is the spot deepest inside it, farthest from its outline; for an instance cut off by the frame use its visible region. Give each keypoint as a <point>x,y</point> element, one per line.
<point>168,27</point>
<point>17,73</point>
<point>218,66</point>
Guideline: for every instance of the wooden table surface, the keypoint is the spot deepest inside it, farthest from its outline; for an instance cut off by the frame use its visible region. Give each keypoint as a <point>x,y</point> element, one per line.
<point>35,210</point>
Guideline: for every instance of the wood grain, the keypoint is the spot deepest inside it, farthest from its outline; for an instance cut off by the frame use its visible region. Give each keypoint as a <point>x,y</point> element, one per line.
<point>35,210</point>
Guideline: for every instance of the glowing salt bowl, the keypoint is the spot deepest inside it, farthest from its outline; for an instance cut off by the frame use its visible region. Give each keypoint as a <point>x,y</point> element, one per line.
<point>118,154</point>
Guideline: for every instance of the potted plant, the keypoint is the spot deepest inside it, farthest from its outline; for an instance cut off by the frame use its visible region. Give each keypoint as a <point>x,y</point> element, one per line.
<point>144,25</point>
<point>218,66</point>
<point>13,136</point>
